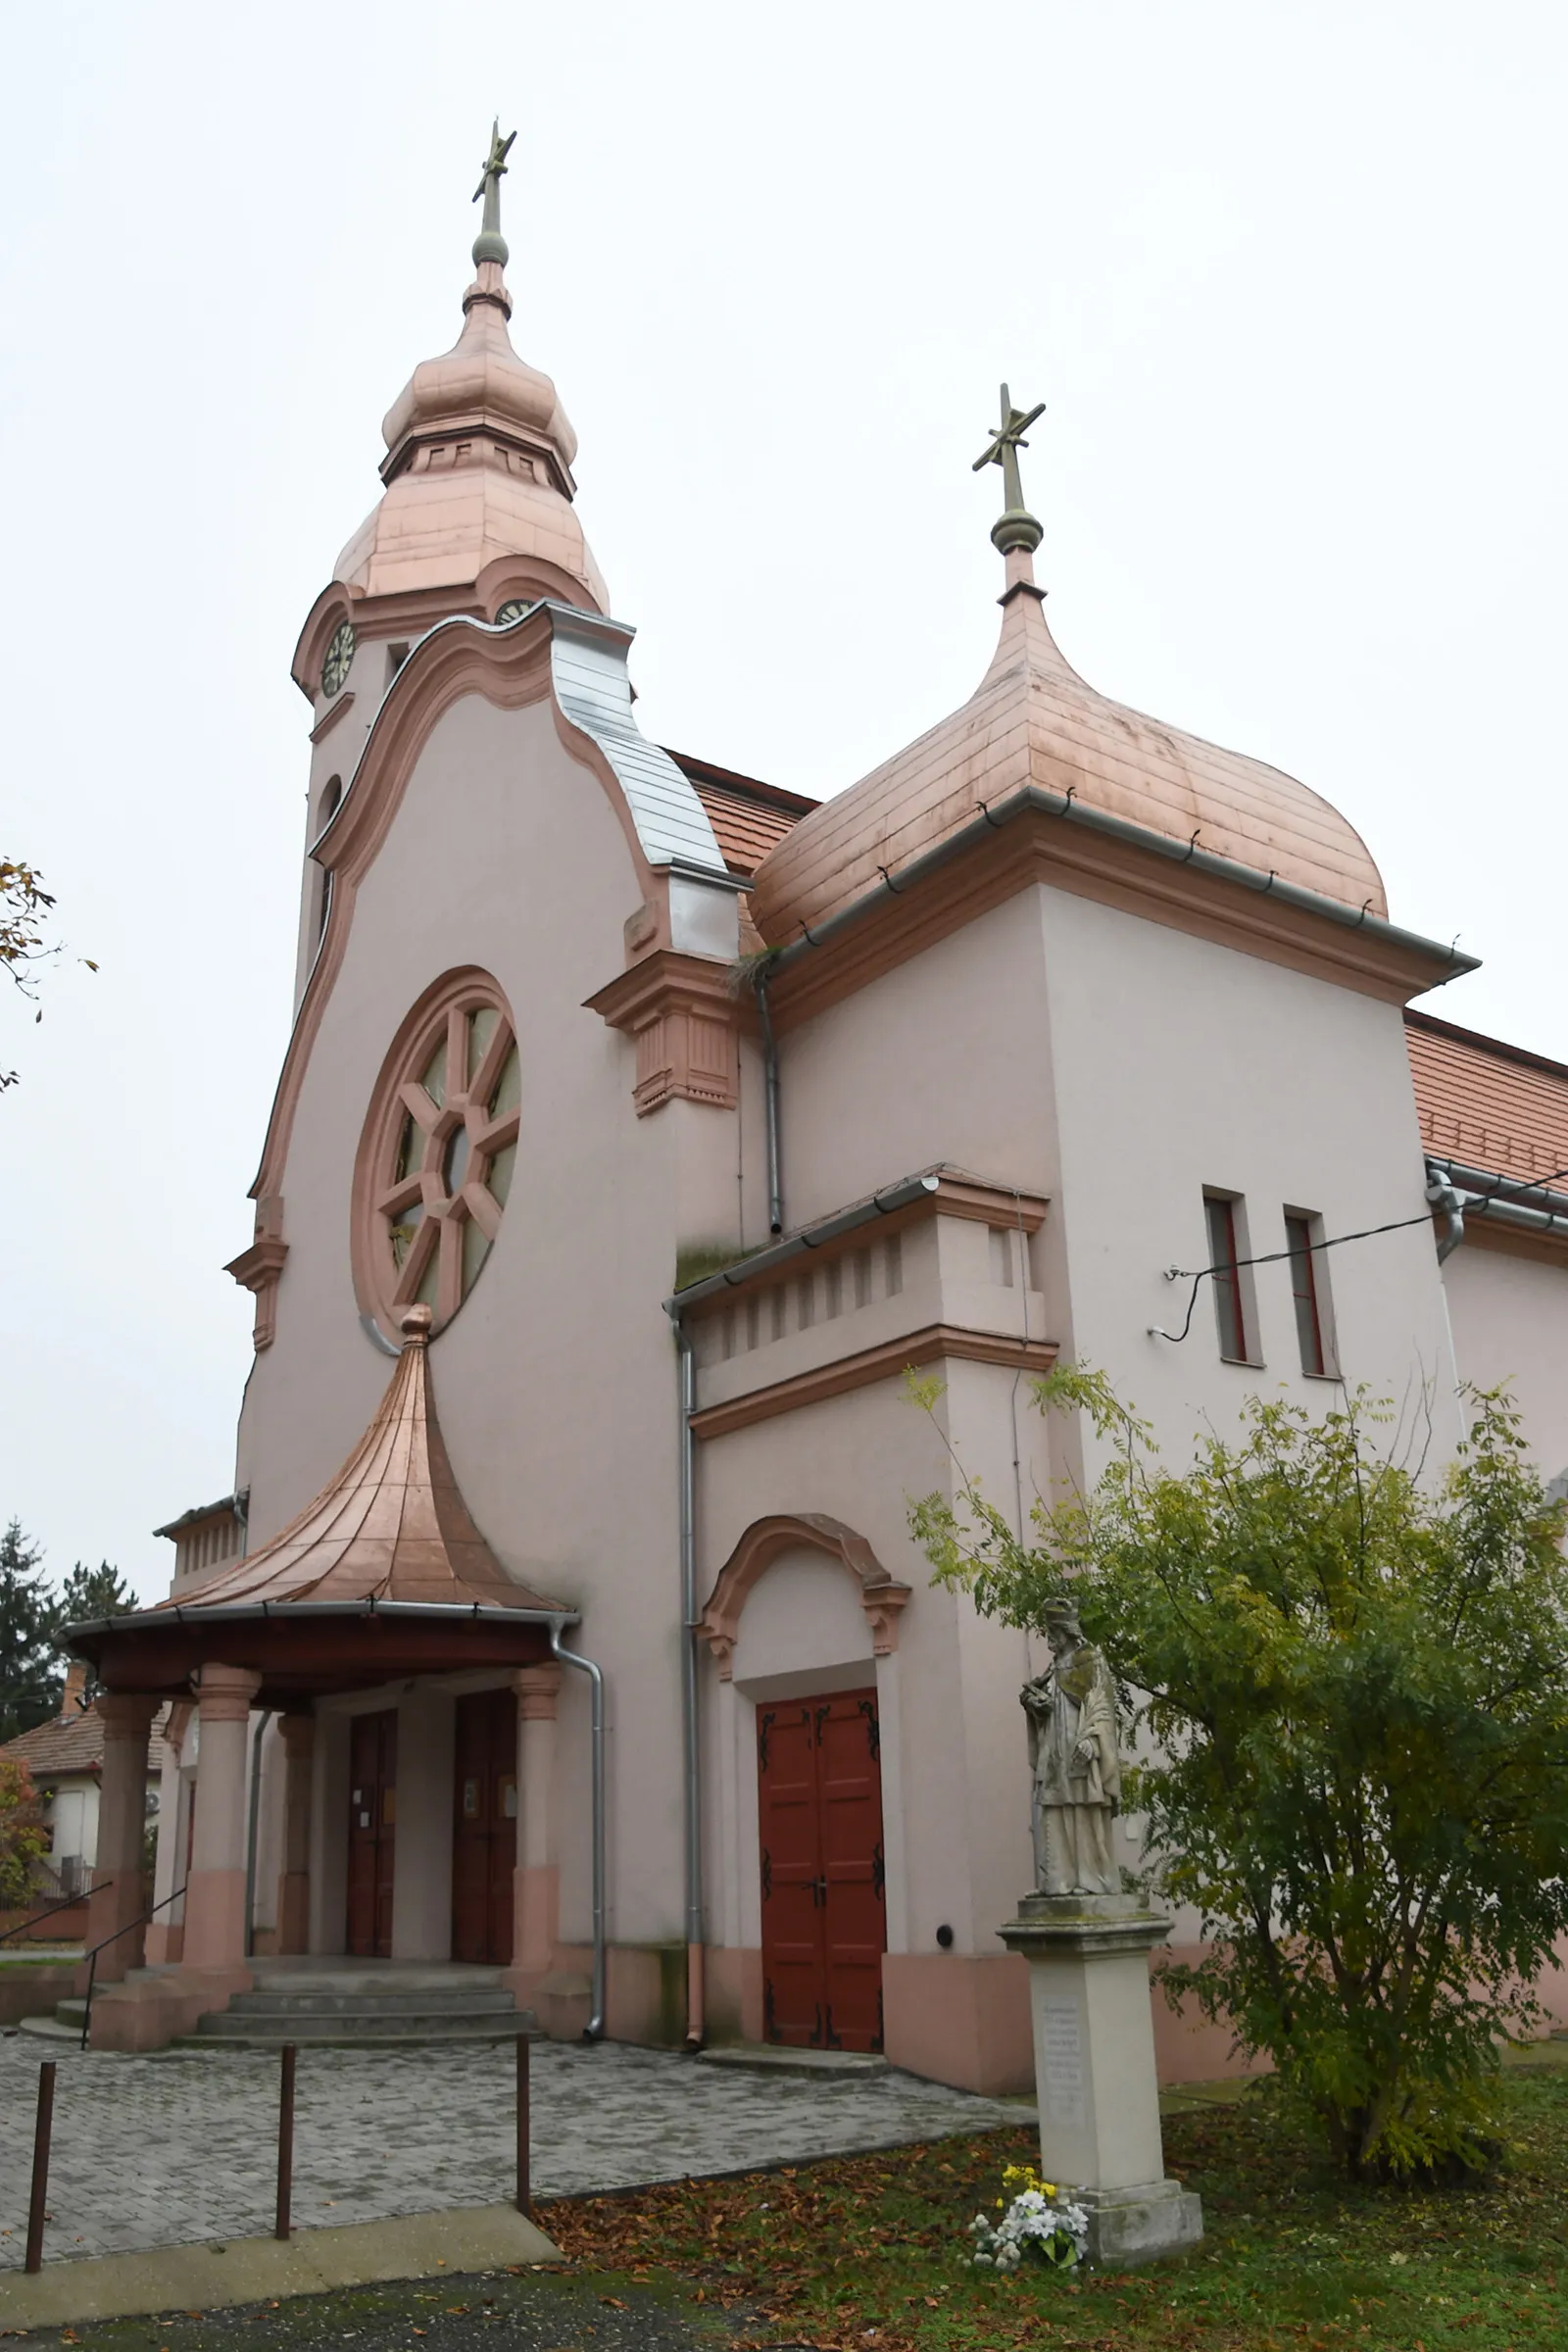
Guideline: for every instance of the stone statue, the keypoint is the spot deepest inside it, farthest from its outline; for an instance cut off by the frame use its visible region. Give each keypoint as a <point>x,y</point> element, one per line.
<point>1072,1710</point>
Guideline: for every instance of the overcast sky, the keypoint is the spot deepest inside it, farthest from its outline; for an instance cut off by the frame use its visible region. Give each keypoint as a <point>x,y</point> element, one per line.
<point>1288,275</point>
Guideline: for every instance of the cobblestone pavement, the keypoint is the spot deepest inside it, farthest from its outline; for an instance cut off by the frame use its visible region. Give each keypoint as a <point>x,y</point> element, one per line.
<point>182,2146</point>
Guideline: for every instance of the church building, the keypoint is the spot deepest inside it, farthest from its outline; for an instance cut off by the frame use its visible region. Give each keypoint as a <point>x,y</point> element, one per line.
<point>641,1127</point>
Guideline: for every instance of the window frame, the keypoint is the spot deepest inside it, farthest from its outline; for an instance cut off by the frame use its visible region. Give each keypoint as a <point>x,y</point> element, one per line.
<point>1315,1298</point>
<point>1233,1282</point>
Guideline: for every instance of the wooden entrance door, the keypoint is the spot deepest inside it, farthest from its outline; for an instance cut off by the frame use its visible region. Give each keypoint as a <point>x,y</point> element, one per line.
<point>373,1832</point>
<point>824,1911</point>
<point>484,1827</point>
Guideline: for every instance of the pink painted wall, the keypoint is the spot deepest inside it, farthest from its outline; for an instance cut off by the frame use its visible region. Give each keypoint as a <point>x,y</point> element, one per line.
<point>556,1382</point>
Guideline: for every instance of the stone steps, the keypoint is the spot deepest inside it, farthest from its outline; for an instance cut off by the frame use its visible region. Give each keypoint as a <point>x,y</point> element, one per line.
<point>357,2028</point>
<point>343,2007</point>
<point>273,2001</point>
<point>777,2058</point>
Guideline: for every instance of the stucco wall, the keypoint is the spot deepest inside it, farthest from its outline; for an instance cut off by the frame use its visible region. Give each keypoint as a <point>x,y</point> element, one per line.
<point>556,1382</point>
<point>1510,1324</point>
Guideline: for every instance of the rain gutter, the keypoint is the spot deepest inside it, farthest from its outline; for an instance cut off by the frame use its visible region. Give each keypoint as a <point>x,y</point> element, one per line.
<point>594,2029</point>
<point>811,1237</point>
<point>257,1737</point>
<point>690,1732</point>
<point>770,1102</point>
<point>1033,798</point>
<point>226,1613</point>
<point>1502,1200</point>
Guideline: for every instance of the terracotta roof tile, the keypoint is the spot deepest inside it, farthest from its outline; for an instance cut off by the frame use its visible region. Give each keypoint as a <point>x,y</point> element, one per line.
<point>748,818</point>
<point>75,1743</point>
<point>1488,1105</point>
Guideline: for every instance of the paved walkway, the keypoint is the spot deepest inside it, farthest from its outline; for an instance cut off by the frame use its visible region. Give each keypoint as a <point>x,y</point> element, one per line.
<point>181,2146</point>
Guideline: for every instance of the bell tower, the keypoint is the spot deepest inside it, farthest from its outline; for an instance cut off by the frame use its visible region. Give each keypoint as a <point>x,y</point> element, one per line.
<point>476,517</point>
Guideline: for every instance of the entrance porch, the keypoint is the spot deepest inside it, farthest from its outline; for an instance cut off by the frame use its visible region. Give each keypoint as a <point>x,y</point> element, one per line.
<point>367,1771</point>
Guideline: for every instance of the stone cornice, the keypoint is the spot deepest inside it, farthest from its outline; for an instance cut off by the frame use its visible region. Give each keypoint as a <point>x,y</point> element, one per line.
<point>933,1344</point>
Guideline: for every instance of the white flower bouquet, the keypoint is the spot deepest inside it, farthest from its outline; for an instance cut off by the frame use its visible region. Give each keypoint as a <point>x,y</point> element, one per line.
<point>1039,2219</point>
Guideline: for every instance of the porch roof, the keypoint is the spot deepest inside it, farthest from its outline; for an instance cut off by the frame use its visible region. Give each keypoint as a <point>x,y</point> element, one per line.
<point>384,1574</point>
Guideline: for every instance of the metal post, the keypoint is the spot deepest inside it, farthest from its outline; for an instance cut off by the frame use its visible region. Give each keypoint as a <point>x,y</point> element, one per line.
<point>41,2164</point>
<point>285,2142</point>
<point>524,2186</point>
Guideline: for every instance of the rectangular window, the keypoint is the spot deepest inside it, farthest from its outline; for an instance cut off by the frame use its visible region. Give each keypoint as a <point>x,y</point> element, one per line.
<point>1223,1256</point>
<point>893,1263</point>
<point>1300,1235</point>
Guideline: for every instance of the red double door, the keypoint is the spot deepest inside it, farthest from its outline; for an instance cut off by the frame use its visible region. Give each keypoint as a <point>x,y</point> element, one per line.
<point>484,1827</point>
<point>373,1832</point>
<point>824,1910</point>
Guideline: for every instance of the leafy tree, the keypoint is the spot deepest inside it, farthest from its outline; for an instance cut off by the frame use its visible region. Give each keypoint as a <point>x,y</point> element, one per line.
<point>90,1592</point>
<point>23,1838</point>
<point>29,1677</point>
<point>25,908</point>
<point>1352,1711</point>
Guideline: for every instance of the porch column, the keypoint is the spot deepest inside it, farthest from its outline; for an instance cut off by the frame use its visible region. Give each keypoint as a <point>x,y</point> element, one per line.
<point>214,1892</point>
<point>118,1883</point>
<point>168,1874</point>
<point>534,1882</point>
<point>298,1735</point>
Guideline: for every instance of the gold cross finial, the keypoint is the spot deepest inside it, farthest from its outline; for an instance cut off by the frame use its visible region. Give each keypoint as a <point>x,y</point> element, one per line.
<point>495,164</point>
<point>1016,526</point>
<point>490,245</point>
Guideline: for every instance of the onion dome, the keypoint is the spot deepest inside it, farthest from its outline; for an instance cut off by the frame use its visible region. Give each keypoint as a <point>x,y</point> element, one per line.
<point>1032,720</point>
<point>478,461</point>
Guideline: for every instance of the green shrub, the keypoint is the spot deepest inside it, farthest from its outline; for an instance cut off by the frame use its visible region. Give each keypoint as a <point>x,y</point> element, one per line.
<point>1353,1722</point>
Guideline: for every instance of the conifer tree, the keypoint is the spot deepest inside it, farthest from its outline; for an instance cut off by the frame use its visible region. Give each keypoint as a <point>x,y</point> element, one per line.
<point>90,1592</point>
<point>30,1672</point>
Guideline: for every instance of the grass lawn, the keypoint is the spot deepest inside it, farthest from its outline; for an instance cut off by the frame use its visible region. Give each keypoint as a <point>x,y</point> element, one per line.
<point>865,2253</point>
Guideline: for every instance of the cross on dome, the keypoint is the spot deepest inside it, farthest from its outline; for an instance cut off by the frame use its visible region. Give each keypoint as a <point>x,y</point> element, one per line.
<point>490,245</point>
<point>1015,527</point>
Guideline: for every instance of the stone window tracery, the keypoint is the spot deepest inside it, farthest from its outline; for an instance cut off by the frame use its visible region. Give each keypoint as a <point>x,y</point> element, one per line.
<point>439,1151</point>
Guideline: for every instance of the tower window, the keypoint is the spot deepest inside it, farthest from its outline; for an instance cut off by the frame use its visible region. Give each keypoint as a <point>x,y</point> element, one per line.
<point>396,656</point>
<point>1301,1233</point>
<point>331,800</point>
<point>1224,1257</point>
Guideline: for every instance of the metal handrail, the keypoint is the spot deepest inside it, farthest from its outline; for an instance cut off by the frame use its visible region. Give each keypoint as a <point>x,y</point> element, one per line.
<point>91,1957</point>
<point>67,1902</point>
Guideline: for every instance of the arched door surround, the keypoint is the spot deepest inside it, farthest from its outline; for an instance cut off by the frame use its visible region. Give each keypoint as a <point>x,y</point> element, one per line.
<point>881,1595</point>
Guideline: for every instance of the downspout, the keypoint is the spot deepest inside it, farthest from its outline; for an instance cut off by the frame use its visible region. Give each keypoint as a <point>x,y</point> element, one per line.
<point>257,1737</point>
<point>691,1739</point>
<point>594,2029</point>
<point>1445,1194</point>
<point>776,1178</point>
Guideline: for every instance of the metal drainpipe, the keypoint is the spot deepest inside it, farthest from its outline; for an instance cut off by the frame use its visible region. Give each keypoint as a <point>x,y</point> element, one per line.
<point>776,1178</point>
<point>1444,1194</point>
<point>595,2026</point>
<point>691,1741</point>
<point>257,1737</point>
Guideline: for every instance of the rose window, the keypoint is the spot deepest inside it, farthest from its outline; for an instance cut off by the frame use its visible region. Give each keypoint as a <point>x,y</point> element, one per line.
<point>443,1144</point>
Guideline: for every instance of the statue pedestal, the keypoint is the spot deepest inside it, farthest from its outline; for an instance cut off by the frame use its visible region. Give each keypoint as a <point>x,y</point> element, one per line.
<point>1095,2074</point>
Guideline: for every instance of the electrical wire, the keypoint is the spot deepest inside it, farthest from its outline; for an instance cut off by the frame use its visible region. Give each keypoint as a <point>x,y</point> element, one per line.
<point>1234,1265</point>
<point>1476,1204</point>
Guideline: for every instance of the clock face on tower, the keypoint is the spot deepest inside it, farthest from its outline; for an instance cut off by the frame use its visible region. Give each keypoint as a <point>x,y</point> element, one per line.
<point>514,610</point>
<point>339,653</point>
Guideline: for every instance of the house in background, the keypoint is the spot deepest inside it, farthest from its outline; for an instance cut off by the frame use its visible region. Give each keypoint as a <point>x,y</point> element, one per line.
<point>66,1758</point>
